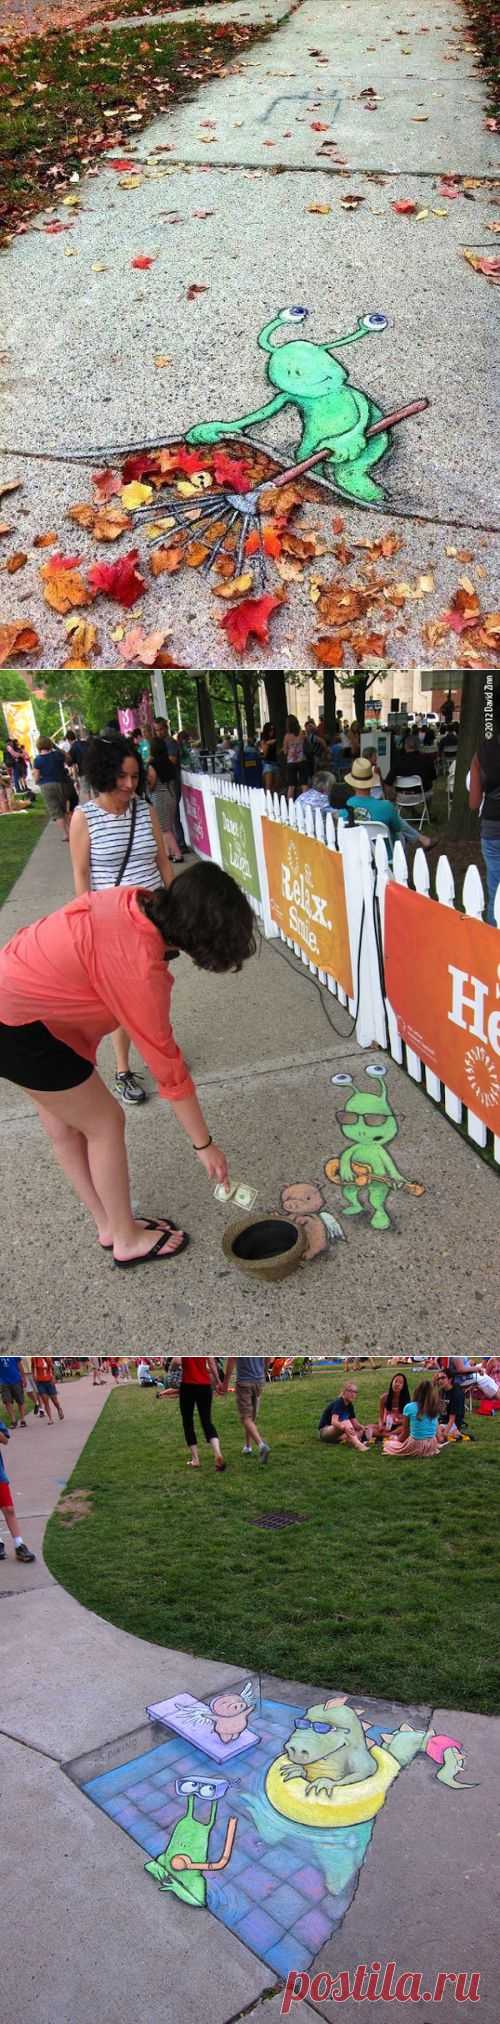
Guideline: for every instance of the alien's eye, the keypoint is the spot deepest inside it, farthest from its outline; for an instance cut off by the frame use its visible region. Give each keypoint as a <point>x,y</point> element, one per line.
<point>374,1069</point>
<point>206,1791</point>
<point>341,1079</point>
<point>296,315</point>
<point>374,321</point>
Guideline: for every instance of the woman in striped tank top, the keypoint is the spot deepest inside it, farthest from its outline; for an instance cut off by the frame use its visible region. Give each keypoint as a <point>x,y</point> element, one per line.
<point>99,838</point>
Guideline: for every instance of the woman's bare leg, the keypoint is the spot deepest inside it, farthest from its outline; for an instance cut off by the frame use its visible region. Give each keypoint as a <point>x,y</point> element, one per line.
<point>121,1049</point>
<point>71,1152</point>
<point>91,1111</point>
<point>172,846</point>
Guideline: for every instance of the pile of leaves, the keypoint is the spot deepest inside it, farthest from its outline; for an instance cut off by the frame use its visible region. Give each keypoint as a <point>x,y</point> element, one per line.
<point>484,16</point>
<point>66,100</point>
<point>359,600</point>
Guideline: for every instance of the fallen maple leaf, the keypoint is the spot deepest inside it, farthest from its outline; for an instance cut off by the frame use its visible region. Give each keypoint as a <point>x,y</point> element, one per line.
<point>119,580</point>
<point>350,203</point>
<point>137,646</point>
<point>236,587</point>
<point>106,484</point>
<point>249,620</point>
<point>144,260</point>
<point>83,637</point>
<point>196,288</point>
<point>63,585</point>
<point>271,542</point>
<point>464,611</point>
<point>329,652</point>
<point>318,126</point>
<point>45,540</point>
<point>136,494</point>
<point>59,227</point>
<point>121,166</point>
<point>483,263</point>
<point>16,562</point>
<point>230,471</point>
<point>321,209</point>
<point>165,561</point>
<point>134,467</point>
<point>17,638</point>
<point>404,206</point>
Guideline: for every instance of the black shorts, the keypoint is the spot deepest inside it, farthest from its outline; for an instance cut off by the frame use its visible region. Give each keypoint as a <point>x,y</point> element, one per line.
<point>31,1056</point>
<point>297,773</point>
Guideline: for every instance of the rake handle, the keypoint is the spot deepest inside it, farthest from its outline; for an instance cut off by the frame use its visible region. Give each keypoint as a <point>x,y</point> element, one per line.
<point>377,429</point>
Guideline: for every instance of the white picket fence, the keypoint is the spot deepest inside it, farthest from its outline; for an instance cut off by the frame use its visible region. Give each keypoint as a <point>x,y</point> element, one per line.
<point>367,871</point>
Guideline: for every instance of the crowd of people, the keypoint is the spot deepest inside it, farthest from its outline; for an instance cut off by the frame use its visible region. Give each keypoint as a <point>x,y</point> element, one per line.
<point>419,1426</point>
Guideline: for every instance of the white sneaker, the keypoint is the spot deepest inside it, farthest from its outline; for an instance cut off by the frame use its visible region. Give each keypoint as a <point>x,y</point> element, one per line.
<point>247,1451</point>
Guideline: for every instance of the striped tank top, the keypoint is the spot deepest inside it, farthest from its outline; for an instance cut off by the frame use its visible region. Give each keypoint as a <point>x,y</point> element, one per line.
<point>109,836</point>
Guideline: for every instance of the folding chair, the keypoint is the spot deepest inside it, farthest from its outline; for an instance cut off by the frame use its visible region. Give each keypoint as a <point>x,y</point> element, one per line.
<point>373,830</point>
<point>410,797</point>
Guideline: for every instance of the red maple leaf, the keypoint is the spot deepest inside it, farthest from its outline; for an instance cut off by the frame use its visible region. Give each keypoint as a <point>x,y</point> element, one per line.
<point>143,260</point>
<point>231,471</point>
<point>137,467</point>
<point>59,227</point>
<point>120,580</point>
<point>127,163</point>
<point>251,618</point>
<point>187,461</point>
<point>404,206</point>
<point>65,562</point>
<point>106,484</point>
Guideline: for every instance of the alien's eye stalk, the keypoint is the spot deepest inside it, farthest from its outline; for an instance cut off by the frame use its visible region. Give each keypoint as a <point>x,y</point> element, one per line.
<point>374,321</point>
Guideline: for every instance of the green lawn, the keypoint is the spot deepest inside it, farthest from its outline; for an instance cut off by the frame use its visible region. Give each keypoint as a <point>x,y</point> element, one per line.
<point>18,836</point>
<point>389,1587</point>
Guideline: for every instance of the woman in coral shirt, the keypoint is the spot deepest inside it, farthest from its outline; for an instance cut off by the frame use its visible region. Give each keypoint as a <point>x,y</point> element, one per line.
<point>99,963</point>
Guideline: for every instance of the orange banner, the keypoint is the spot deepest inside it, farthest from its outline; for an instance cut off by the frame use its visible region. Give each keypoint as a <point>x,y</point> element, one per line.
<point>307,896</point>
<point>442,974</point>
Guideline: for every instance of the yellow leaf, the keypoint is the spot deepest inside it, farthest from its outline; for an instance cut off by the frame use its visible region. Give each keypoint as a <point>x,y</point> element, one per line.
<point>189,487</point>
<point>421,214</point>
<point>439,212</point>
<point>161,360</point>
<point>426,583</point>
<point>129,182</point>
<point>136,495</point>
<point>321,209</point>
<point>237,586</point>
<point>119,633</point>
<point>98,267</point>
<point>71,203</point>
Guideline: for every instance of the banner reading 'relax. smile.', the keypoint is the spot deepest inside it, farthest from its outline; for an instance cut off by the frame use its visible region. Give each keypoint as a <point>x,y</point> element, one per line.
<point>442,974</point>
<point>307,898</point>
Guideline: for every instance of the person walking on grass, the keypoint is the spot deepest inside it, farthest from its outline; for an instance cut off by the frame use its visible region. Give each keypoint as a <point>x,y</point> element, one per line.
<point>199,1376</point>
<point>250,1381</point>
<point>43,1373</point>
<point>12,1390</point>
<point>98,963</point>
<point>22,1551</point>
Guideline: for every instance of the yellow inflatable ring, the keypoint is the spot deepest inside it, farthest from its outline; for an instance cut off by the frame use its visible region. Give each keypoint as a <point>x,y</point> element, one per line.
<point>350,1804</point>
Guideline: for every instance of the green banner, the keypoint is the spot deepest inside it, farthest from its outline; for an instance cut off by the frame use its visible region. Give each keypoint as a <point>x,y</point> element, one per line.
<point>237,845</point>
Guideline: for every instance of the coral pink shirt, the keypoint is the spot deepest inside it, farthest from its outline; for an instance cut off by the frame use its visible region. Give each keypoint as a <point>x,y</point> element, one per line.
<point>94,965</point>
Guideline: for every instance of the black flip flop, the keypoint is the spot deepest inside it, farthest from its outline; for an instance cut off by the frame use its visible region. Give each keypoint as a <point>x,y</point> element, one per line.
<point>155,1254</point>
<point>150,1224</point>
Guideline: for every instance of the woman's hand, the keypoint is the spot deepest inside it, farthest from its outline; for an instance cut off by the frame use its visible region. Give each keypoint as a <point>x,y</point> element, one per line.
<point>215,1163</point>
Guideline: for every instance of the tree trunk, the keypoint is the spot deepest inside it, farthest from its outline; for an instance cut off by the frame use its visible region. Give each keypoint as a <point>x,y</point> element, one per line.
<point>277,703</point>
<point>361,685</point>
<point>249,683</point>
<point>463,823</point>
<point>329,704</point>
<point>205,712</point>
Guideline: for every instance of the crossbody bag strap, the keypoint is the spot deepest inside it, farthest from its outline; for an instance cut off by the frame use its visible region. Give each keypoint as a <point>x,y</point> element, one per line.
<point>127,854</point>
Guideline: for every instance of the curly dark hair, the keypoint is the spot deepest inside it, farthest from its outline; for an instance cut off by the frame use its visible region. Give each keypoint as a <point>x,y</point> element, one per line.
<point>205,913</point>
<point>104,760</point>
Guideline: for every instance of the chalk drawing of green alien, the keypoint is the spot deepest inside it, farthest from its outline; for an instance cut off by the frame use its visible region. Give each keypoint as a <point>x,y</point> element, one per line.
<point>308,377</point>
<point>366,1168</point>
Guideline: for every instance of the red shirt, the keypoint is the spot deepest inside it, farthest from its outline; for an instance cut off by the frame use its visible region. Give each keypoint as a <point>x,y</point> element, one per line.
<point>195,1370</point>
<point>96,964</point>
<point>42,1367</point>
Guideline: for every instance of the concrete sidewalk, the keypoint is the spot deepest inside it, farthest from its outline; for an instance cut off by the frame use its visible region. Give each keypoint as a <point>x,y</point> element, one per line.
<point>252,210</point>
<point>263,1050</point>
<point>99,1941</point>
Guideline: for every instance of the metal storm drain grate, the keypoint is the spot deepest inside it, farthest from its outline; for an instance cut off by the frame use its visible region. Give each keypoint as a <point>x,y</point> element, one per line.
<point>272,1521</point>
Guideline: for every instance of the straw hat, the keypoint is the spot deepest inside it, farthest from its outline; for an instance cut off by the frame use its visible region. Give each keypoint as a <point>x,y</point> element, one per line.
<point>362,776</point>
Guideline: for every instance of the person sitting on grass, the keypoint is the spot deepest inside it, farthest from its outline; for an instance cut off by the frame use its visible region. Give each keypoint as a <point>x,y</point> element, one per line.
<point>391,1407</point>
<point>339,1423</point>
<point>7,1506</point>
<point>145,1374</point>
<point>419,1435</point>
<point>453,1398</point>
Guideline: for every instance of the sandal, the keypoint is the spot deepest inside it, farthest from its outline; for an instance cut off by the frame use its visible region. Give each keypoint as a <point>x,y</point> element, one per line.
<point>162,1223</point>
<point>220,1464</point>
<point>150,1257</point>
